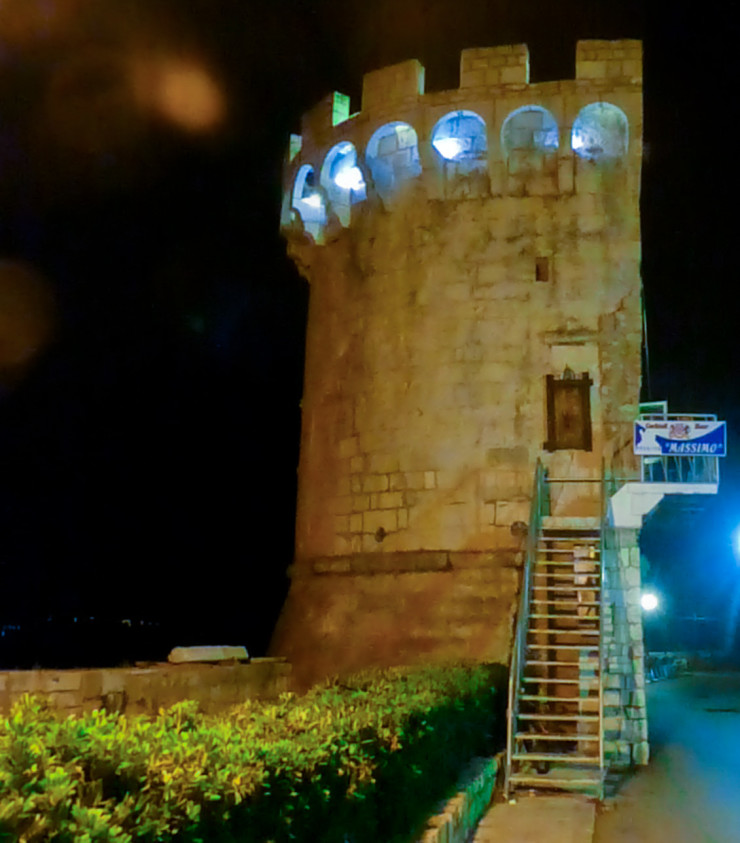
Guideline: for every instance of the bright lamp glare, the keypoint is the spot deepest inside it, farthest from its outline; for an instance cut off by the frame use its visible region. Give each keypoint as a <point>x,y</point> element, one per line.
<point>649,602</point>
<point>313,200</point>
<point>448,147</point>
<point>350,178</point>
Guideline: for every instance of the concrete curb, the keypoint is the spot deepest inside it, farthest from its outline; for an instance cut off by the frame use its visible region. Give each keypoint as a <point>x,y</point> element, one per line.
<point>458,817</point>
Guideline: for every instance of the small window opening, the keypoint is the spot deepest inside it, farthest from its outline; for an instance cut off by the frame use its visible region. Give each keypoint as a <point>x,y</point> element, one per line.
<point>542,269</point>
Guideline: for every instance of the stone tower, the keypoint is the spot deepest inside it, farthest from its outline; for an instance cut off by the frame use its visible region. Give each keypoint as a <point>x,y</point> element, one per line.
<point>474,265</point>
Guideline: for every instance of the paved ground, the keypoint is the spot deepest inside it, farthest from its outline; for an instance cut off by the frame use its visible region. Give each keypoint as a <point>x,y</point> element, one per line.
<point>689,793</point>
<point>538,819</point>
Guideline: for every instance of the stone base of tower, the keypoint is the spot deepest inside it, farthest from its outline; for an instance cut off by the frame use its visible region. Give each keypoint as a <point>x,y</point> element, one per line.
<point>346,613</point>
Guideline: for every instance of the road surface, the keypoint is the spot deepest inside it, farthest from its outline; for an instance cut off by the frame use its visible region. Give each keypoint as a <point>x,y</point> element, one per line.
<point>690,792</point>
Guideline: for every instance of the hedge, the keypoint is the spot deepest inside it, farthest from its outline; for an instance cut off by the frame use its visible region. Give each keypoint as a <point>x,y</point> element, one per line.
<point>357,760</point>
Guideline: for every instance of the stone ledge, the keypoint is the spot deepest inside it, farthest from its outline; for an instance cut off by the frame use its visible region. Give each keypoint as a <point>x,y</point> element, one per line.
<point>405,561</point>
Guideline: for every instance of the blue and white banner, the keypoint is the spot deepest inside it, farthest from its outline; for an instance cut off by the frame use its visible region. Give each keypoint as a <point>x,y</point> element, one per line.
<point>673,437</point>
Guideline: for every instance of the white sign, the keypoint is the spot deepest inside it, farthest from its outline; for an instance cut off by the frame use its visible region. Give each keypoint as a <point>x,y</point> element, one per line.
<point>674,437</point>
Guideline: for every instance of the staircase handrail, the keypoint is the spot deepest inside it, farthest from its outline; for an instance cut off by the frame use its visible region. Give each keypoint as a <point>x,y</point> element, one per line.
<point>522,620</point>
<point>609,486</point>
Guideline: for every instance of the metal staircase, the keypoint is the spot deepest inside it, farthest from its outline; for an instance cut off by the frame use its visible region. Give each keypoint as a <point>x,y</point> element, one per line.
<point>555,716</point>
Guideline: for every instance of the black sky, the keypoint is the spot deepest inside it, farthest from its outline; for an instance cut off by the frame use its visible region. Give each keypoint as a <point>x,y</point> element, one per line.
<point>148,452</point>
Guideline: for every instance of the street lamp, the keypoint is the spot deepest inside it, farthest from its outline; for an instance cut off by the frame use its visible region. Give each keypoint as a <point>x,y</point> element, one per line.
<point>649,601</point>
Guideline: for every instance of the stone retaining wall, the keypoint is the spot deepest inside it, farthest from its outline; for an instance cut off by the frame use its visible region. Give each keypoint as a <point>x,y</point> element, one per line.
<point>460,815</point>
<point>625,708</point>
<point>145,689</point>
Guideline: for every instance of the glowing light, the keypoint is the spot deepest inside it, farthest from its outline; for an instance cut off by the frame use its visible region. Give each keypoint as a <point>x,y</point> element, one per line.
<point>184,92</point>
<point>649,601</point>
<point>313,200</point>
<point>350,178</point>
<point>26,318</point>
<point>448,147</point>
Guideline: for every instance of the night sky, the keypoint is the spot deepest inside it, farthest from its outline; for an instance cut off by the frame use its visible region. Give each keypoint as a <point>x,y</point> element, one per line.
<point>151,328</point>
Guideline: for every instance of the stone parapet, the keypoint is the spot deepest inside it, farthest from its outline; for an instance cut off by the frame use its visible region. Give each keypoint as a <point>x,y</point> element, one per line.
<point>146,689</point>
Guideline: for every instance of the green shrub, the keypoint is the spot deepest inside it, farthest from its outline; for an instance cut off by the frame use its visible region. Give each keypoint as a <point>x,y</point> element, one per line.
<point>362,759</point>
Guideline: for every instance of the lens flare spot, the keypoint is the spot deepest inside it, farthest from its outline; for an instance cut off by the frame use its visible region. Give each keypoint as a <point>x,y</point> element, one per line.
<point>26,318</point>
<point>183,92</point>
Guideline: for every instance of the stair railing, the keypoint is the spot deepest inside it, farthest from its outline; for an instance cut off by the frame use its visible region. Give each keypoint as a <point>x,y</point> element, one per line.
<point>608,489</point>
<point>518,655</point>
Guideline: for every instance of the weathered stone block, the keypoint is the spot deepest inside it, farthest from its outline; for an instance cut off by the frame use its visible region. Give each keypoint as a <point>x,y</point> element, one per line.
<point>209,653</point>
<point>336,565</point>
<point>348,447</point>
<point>91,684</point>
<point>375,483</point>
<point>379,519</point>
<point>63,680</point>
<point>382,464</point>
<point>390,500</point>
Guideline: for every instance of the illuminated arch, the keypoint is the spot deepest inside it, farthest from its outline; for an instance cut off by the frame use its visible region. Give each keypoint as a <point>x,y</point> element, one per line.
<point>460,136</point>
<point>530,128</point>
<point>601,130</point>
<point>308,201</point>
<point>342,179</point>
<point>392,154</point>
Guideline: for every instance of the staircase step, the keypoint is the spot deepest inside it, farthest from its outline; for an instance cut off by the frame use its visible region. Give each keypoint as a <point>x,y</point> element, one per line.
<point>569,617</point>
<point>535,698</point>
<point>536,631</point>
<point>581,718</point>
<point>553,756</point>
<point>532,736</point>
<point>576,665</point>
<point>560,563</point>
<point>543,547</point>
<point>562,575</point>
<point>574,522</point>
<point>553,646</point>
<point>567,587</point>
<point>559,681</point>
<point>568,602</point>
<point>560,783</point>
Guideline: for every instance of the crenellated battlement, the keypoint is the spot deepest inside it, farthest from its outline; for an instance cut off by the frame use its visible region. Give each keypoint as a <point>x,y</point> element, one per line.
<point>496,135</point>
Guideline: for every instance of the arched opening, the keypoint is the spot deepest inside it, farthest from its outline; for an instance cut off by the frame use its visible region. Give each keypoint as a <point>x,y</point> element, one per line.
<point>308,201</point>
<point>392,155</point>
<point>342,180</point>
<point>600,131</point>
<point>529,129</point>
<point>460,138</point>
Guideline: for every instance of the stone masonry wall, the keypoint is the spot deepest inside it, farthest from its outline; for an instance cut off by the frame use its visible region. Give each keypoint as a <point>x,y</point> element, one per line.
<point>625,708</point>
<point>144,690</point>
